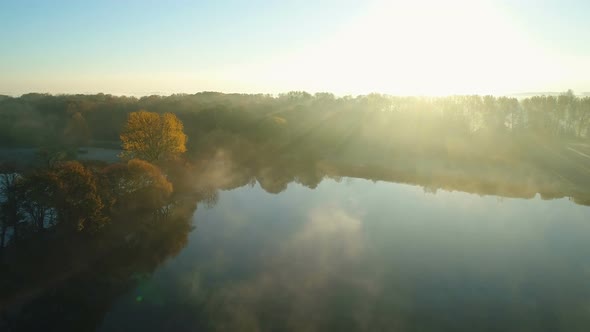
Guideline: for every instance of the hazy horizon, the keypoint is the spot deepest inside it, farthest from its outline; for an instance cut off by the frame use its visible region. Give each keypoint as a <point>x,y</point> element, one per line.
<point>168,94</point>
<point>345,47</point>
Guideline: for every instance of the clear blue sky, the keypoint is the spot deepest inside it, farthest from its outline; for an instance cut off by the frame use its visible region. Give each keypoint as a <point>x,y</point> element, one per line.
<point>142,47</point>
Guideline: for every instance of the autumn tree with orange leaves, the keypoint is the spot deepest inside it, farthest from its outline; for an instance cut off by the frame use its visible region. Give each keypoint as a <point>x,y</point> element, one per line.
<point>153,137</point>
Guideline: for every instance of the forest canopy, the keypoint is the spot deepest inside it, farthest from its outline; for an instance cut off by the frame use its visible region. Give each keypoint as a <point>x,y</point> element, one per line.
<point>320,123</point>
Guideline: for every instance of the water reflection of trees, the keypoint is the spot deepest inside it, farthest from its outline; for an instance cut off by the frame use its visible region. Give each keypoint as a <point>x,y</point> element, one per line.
<point>512,176</point>
<point>75,293</point>
<point>78,234</point>
<point>47,285</point>
<point>125,219</point>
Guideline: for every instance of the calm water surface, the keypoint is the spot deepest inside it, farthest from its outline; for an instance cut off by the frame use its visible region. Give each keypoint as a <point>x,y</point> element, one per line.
<point>360,255</point>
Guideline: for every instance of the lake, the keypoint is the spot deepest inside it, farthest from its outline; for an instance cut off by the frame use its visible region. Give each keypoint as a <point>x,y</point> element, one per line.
<point>362,255</point>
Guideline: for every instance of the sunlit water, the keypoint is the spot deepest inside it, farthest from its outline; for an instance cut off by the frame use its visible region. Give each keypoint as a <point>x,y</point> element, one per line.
<point>359,255</point>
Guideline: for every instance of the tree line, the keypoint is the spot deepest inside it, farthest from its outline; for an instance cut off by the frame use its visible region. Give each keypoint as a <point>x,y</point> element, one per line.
<point>292,132</point>
<point>42,119</point>
<point>71,196</point>
<point>67,216</point>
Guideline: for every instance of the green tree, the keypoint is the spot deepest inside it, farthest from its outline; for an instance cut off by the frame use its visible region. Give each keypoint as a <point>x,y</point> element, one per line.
<point>76,132</point>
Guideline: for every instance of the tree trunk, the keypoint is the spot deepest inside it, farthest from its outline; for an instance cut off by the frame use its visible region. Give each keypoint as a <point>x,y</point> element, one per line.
<point>41,221</point>
<point>2,236</point>
<point>15,233</point>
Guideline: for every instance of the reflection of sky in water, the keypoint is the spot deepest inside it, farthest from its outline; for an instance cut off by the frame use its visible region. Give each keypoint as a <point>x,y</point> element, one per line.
<point>371,256</point>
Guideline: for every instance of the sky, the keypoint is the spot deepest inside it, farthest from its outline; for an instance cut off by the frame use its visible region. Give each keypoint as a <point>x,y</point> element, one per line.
<point>420,47</point>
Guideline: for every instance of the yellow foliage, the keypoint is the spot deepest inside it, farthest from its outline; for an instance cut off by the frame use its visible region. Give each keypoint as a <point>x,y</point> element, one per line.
<point>151,136</point>
<point>146,174</point>
<point>279,120</point>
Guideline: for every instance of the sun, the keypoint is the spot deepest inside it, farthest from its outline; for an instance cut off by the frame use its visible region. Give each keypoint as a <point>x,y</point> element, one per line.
<point>414,48</point>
